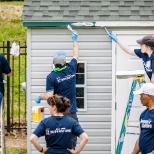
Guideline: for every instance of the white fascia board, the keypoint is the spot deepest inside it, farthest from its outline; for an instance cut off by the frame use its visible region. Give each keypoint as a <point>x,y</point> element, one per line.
<point>124,23</point>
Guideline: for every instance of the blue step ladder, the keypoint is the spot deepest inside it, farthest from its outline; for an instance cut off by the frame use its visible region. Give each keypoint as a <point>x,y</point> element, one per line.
<point>138,78</point>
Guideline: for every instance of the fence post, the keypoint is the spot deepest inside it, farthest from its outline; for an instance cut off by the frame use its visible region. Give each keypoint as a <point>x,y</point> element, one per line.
<point>8,89</point>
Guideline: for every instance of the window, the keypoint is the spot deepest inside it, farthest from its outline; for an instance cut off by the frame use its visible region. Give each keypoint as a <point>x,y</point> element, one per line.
<point>81,93</point>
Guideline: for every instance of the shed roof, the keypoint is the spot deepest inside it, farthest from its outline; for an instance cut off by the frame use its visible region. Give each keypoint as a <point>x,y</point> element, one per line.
<point>87,10</point>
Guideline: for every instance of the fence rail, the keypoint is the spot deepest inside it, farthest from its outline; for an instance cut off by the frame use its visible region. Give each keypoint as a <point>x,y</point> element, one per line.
<point>15,108</point>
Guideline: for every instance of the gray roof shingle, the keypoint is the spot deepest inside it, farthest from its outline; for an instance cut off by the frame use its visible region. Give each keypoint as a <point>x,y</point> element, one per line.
<point>87,10</point>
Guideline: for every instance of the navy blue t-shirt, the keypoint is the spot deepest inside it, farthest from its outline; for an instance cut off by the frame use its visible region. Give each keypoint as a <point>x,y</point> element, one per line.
<point>63,83</point>
<point>148,62</point>
<point>58,132</point>
<point>4,68</point>
<point>146,138</point>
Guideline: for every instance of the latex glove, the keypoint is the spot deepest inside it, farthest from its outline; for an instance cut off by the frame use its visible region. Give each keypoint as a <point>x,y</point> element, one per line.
<point>37,99</point>
<point>113,37</point>
<point>74,35</point>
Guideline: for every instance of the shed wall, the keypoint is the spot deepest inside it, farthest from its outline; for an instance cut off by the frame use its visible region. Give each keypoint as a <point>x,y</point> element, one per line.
<point>95,49</point>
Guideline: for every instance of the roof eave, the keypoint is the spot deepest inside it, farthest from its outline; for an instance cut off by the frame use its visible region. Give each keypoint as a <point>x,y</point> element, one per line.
<point>45,24</point>
<point>97,24</point>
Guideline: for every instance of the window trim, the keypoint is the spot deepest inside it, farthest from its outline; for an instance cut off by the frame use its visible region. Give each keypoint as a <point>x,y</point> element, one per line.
<point>84,86</point>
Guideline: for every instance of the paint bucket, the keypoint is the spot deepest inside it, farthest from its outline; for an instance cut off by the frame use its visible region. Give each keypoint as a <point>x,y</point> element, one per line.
<point>37,113</point>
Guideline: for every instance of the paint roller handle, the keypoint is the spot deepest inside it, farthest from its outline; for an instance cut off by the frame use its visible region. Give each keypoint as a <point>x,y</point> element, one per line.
<point>38,99</point>
<point>74,36</point>
<point>113,37</point>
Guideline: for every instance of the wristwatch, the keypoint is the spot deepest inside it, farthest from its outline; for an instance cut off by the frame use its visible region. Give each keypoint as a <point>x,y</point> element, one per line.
<point>41,150</point>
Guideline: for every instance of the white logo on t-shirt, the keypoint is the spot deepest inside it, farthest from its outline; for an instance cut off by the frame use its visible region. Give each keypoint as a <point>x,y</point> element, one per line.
<point>147,66</point>
<point>65,78</point>
<point>146,123</point>
<point>57,130</point>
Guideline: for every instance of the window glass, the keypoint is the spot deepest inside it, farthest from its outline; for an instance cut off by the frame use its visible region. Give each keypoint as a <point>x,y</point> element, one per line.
<point>79,78</point>
<point>80,68</point>
<point>79,92</point>
<point>80,103</point>
<point>80,73</point>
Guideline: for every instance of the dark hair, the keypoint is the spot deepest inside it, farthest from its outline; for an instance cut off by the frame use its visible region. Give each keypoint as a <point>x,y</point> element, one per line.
<point>60,65</point>
<point>62,103</point>
<point>152,48</point>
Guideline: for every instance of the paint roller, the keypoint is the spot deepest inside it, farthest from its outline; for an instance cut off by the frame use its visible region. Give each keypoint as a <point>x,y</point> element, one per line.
<point>88,24</point>
<point>70,28</point>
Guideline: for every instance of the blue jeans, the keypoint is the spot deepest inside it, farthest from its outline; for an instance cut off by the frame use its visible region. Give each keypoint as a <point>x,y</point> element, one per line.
<point>1,98</point>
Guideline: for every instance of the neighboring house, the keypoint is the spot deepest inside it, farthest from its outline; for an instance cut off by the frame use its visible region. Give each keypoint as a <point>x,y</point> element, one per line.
<point>100,59</point>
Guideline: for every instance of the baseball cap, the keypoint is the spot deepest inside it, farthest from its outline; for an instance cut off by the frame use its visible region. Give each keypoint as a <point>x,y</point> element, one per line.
<point>147,40</point>
<point>59,58</point>
<point>147,88</point>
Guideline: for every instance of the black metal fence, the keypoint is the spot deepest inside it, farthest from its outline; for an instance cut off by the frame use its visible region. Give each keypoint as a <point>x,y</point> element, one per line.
<point>15,97</point>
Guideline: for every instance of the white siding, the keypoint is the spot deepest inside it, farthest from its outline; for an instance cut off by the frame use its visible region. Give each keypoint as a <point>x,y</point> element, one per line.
<point>95,49</point>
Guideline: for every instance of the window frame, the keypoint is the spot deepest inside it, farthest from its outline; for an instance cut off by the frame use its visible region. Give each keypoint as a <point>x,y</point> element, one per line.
<point>83,86</point>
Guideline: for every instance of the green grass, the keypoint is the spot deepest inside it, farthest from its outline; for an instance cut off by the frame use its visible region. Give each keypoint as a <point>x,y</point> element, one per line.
<point>12,29</point>
<point>11,32</point>
<point>11,25</point>
<point>10,150</point>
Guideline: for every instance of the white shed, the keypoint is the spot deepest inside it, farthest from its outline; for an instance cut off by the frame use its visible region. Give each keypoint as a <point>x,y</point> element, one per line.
<point>102,98</point>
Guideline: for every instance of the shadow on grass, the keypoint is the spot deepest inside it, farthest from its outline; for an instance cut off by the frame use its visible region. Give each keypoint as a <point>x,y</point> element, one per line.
<point>10,150</point>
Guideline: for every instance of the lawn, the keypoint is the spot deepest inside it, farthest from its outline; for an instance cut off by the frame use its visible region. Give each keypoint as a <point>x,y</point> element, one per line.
<point>11,29</point>
<point>11,150</point>
<point>11,26</point>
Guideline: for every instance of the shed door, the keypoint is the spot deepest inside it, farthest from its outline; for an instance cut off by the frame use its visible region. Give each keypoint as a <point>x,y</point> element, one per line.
<point>126,62</point>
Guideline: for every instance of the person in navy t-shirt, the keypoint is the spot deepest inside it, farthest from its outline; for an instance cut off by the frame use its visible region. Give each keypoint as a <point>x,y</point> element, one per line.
<point>62,80</point>
<point>58,129</point>
<point>146,53</point>
<point>4,69</point>
<point>145,143</point>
